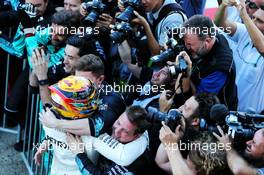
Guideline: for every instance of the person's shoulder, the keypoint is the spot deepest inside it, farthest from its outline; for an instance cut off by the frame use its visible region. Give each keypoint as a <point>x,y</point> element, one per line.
<point>222,46</point>
<point>176,16</point>
<point>109,96</point>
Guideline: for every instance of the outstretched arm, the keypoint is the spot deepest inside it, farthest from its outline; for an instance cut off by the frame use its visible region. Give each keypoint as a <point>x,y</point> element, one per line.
<point>255,34</point>
<point>121,154</point>
<point>169,141</point>
<point>162,159</point>
<point>221,17</point>
<point>153,44</point>
<point>78,127</point>
<point>235,162</point>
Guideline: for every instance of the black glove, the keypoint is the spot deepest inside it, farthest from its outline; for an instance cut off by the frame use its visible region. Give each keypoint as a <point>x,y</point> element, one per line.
<point>28,15</point>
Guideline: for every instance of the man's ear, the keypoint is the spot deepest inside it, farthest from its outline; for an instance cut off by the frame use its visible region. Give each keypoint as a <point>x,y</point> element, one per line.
<point>208,41</point>
<point>196,121</point>
<point>101,79</point>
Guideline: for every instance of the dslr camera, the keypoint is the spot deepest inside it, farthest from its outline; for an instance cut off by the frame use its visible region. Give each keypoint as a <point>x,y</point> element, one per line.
<point>122,31</point>
<point>243,125</point>
<point>94,9</point>
<point>182,67</point>
<point>240,125</point>
<point>175,46</point>
<point>128,14</point>
<point>172,118</point>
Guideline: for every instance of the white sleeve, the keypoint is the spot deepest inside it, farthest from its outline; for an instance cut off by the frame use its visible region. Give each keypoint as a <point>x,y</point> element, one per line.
<point>240,33</point>
<point>121,154</point>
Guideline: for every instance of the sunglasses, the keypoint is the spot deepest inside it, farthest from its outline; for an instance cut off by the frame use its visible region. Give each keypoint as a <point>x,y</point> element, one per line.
<point>252,5</point>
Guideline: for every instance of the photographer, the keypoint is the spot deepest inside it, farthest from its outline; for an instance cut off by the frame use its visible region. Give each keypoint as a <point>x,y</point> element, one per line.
<point>194,110</point>
<point>247,42</point>
<point>201,160</point>
<point>72,5</point>
<point>210,60</point>
<point>162,15</point>
<point>106,12</point>
<point>254,154</point>
<point>97,16</point>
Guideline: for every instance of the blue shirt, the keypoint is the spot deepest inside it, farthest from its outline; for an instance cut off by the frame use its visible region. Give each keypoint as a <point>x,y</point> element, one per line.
<point>193,7</point>
<point>212,83</point>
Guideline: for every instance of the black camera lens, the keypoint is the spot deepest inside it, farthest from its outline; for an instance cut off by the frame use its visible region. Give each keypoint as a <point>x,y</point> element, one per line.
<point>127,15</point>
<point>91,18</point>
<point>121,32</point>
<point>94,9</point>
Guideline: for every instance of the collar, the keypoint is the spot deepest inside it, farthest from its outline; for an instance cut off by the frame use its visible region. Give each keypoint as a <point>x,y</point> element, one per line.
<point>156,14</point>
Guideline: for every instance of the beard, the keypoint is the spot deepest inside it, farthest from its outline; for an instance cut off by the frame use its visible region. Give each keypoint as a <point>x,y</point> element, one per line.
<point>200,52</point>
<point>256,162</point>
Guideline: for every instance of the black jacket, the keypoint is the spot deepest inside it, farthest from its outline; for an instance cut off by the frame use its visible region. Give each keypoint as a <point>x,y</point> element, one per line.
<point>220,58</point>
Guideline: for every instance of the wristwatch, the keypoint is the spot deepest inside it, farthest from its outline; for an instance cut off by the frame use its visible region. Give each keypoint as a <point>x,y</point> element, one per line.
<point>43,82</point>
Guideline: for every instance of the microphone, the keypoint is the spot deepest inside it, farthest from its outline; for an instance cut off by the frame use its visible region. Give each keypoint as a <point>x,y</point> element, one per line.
<point>218,113</point>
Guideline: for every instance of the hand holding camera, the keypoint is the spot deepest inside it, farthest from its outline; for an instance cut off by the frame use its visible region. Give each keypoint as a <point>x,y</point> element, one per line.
<point>182,58</point>
<point>91,11</point>
<point>104,20</point>
<point>168,137</point>
<point>166,100</point>
<point>139,20</point>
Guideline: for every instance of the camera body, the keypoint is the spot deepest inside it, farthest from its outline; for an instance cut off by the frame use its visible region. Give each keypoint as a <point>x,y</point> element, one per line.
<point>175,46</point>
<point>128,14</point>
<point>122,31</point>
<point>172,118</point>
<point>182,67</point>
<point>94,9</point>
<point>243,125</point>
<point>240,125</point>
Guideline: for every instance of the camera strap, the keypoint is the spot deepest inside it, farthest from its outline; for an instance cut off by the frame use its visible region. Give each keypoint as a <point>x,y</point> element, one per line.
<point>181,86</point>
<point>166,11</point>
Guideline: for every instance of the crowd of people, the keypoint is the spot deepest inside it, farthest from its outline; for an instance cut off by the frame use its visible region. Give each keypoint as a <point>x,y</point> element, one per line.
<point>140,86</point>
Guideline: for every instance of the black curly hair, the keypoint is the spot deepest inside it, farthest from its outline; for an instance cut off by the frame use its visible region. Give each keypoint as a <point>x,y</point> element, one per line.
<point>205,101</point>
